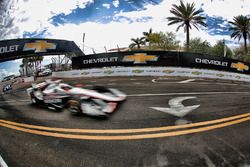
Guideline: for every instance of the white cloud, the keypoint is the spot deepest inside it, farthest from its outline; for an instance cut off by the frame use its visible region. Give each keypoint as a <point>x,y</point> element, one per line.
<point>38,13</point>
<point>18,61</point>
<point>99,35</point>
<point>4,73</point>
<point>106,5</point>
<point>116,3</point>
<point>227,8</point>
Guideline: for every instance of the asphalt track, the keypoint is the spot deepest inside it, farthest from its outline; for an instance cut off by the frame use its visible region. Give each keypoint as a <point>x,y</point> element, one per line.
<point>215,134</point>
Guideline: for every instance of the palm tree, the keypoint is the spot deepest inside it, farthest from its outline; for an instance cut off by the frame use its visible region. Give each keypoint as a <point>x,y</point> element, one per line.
<point>147,36</point>
<point>240,28</point>
<point>137,42</point>
<point>187,16</point>
<point>25,62</point>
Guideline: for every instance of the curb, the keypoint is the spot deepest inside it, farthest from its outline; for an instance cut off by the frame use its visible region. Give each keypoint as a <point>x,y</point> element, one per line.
<point>2,162</point>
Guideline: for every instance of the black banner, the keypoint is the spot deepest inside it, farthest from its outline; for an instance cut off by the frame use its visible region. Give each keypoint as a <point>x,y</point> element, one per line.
<point>160,58</point>
<point>139,58</point>
<point>18,48</point>
<point>212,62</point>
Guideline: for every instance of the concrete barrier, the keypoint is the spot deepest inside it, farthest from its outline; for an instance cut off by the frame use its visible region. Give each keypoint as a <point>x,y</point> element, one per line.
<point>28,79</point>
<point>153,71</point>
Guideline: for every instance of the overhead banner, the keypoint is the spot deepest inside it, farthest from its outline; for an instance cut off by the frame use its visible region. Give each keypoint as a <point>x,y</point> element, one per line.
<point>19,48</point>
<point>160,58</point>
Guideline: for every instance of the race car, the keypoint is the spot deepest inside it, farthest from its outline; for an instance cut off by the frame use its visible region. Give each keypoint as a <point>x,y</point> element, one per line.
<point>99,101</point>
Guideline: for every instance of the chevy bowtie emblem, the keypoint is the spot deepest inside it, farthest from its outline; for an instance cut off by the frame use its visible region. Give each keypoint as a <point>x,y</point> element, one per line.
<point>139,58</point>
<point>39,46</point>
<point>240,66</point>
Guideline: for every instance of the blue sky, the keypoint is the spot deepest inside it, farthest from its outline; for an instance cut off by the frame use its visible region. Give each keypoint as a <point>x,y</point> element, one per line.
<point>110,23</point>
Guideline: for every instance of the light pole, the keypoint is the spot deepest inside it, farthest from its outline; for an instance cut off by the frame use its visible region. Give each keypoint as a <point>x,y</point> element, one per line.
<point>225,48</point>
<point>83,39</point>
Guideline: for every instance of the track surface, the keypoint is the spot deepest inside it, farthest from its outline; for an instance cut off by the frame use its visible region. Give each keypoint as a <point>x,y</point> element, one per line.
<point>222,146</point>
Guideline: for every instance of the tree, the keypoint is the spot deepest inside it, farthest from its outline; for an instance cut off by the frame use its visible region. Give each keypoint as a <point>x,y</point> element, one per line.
<point>239,53</point>
<point>187,16</point>
<point>147,36</point>
<point>168,41</point>
<point>240,27</point>
<point>219,47</point>
<point>25,62</point>
<point>196,45</point>
<point>137,42</point>
<point>155,40</point>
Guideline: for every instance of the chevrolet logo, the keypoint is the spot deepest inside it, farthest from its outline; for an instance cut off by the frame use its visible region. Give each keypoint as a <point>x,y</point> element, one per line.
<point>39,46</point>
<point>139,58</point>
<point>240,66</point>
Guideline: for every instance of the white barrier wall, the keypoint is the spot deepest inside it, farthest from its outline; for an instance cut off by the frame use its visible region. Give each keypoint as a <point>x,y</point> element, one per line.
<point>152,71</point>
<point>28,79</point>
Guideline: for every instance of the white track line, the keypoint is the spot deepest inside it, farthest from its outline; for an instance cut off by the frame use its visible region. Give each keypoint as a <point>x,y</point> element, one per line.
<point>163,94</point>
<point>189,93</point>
<point>158,94</point>
<point>186,81</point>
<point>112,84</point>
<point>2,163</point>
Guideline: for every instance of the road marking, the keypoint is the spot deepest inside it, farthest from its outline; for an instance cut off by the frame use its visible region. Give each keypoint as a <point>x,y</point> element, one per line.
<point>188,93</point>
<point>186,81</point>
<point>10,101</point>
<point>27,100</point>
<point>2,162</point>
<point>230,84</point>
<point>150,94</point>
<point>137,83</point>
<point>111,84</point>
<point>127,137</point>
<point>154,80</point>
<point>121,131</point>
<point>176,107</point>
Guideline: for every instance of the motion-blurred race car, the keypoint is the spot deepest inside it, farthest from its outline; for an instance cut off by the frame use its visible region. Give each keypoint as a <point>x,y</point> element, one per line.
<point>99,101</point>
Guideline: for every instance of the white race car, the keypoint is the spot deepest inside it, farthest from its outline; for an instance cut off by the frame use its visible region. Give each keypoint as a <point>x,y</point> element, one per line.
<point>99,101</point>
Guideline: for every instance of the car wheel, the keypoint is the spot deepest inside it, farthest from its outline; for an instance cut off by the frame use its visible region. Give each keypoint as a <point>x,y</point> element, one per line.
<point>33,99</point>
<point>73,106</point>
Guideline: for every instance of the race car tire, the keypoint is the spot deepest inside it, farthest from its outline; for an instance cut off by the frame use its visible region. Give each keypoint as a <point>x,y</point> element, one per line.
<point>33,99</point>
<point>73,106</point>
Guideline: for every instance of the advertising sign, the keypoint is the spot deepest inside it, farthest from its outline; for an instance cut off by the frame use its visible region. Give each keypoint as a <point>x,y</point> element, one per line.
<point>160,59</point>
<point>136,58</point>
<point>213,62</point>
<point>18,48</point>
<point>7,88</point>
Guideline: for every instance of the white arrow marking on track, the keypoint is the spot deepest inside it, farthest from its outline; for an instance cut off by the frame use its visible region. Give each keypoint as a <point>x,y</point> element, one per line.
<point>177,108</point>
<point>2,163</point>
<point>154,80</point>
